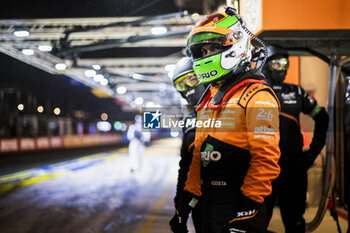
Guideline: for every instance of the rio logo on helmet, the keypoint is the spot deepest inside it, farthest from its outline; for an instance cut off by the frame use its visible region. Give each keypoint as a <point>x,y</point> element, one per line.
<point>208,74</point>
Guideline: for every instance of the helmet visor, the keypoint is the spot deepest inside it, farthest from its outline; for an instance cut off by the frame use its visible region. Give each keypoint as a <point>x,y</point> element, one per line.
<point>278,64</point>
<point>188,80</point>
<point>218,42</point>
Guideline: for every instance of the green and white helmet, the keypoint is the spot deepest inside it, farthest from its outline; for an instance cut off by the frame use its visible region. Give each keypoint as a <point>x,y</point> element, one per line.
<point>219,47</point>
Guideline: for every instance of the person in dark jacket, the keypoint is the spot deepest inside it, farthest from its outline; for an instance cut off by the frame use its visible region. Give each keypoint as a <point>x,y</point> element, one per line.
<point>291,186</point>
<point>188,85</point>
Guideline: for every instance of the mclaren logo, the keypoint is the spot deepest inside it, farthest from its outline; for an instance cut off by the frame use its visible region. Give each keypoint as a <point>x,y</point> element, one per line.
<point>208,74</point>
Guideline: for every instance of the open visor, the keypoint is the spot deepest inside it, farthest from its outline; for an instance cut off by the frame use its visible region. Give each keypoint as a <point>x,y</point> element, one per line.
<point>197,40</point>
<point>187,80</point>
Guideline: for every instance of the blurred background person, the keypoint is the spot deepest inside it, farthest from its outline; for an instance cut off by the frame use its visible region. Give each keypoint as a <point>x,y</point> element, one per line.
<point>137,142</point>
<point>291,186</point>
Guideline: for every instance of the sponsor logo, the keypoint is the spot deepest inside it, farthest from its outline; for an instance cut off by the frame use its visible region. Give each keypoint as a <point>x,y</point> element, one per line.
<point>264,115</point>
<point>151,120</point>
<point>289,101</point>
<point>265,103</point>
<point>209,154</point>
<point>246,213</point>
<point>289,96</point>
<point>208,74</point>
<point>235,230</point>
<point>264,129</point>
<point>189,93</point>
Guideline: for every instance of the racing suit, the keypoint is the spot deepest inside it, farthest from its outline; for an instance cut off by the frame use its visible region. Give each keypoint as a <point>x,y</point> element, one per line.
<point>237,159</point>
<point>291,186</point>
<point>187,147</point>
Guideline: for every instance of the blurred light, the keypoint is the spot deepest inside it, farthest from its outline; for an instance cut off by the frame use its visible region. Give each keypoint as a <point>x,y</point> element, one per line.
<point>98,77</point>
<point>117,125</point>
<point>104,126</point>
<point>52,125</point>
<point>158,30</point>
<point>104,116</point>
<point>96,67</point>
<point>121,90</point>
<point>21,33</point>
<point>139,100</point>
<point>196,14</point>
<point>90,73</point>
<point>174,134</point>
<point>171,74</point>
<point>236,4</point>
<point>162,87</point>
<point>57,111</point>
<point>20,107</point>
<point>170,67</point>
<point>150,104</point>
<point>40,109</point>
<point>60,66</point>
<point>104,82</point>
<point>45,48</point>
<point>184,101</point>
<point>124,127</point>
<point>28,52</point>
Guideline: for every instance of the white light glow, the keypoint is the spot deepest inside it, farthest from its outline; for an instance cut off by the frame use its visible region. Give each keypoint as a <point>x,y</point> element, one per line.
<point>104,116</point>
<point>45,48</point>
<point>90,73</point>
<point>20,107</point>
<point>96,67</point>
<point>162,87</point>
<point>57,111</point>
<point>104,126</point>
<point>124,127</point>
<point>184,101</point>
<point>21,33</point>
<point>121,90</point>
<point>174,134</point>
<point>150,104</point>
<point>40,109</point>
<point>171,74</point>
<point>104,82</point>
<point>28,52</point>
<point>60,66</point>
<point>170,67</point>
<point>158,30</point>
<point>139,100</point>
<point>98,77</point>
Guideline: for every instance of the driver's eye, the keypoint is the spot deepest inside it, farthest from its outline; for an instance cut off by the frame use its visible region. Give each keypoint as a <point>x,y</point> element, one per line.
<point>215,48</point>
<point>204,51</point>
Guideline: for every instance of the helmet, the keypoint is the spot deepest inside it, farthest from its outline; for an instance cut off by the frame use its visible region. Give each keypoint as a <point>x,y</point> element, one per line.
<point>277,64</point>
<point>186,81</point>
<point>219,47</point>
<point>183,67</point>
<point>276,51</point>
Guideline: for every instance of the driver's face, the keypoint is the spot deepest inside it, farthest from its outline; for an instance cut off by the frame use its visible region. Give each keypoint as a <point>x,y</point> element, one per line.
<point>210,49</point>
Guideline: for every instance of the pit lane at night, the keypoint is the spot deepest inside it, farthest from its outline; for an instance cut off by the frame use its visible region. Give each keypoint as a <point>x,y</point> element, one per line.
<point>98,193</point>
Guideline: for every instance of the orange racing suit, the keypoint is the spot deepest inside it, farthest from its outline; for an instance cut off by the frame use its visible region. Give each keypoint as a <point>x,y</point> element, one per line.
<point>238,157</point>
